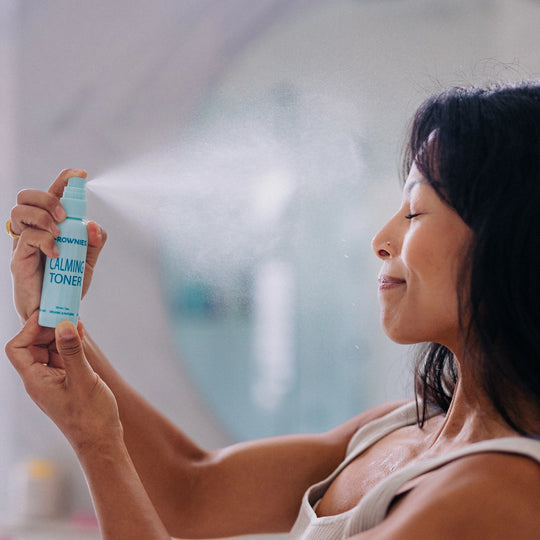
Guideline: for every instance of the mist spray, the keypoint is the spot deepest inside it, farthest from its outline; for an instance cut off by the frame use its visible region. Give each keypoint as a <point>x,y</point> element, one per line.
<point>63,276</point>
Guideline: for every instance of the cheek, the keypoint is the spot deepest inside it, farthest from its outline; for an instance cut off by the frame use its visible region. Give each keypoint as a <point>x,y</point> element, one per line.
<point>421,257</point>
<point>432,265</point>
<point>428,308</point>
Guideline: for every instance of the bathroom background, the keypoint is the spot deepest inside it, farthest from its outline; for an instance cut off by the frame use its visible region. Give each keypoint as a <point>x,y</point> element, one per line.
<point>242,155</point>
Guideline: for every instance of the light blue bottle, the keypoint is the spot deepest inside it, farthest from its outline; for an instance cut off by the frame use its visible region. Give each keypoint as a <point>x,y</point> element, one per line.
<point>63,276</point>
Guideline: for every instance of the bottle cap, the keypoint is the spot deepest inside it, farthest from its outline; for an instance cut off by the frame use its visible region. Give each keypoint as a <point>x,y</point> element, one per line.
<point>74,198</point>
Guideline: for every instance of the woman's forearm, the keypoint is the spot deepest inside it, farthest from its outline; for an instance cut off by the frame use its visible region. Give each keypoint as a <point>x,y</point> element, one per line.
<point>164,457</point>
<point>248,488</point>
<point>123,507</point>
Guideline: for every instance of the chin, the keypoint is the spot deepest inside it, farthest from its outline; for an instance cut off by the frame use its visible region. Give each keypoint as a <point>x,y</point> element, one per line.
<point>404,341</point>
<point>401,337</point>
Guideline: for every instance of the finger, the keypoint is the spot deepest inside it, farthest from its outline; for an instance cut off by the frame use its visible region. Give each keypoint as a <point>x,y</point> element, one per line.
<point>97,236</point>
<point>25,216</point>
<point>42,199</point>
<point>96,240</point>
<point>81,329</point>
<point>32,240</point>
<point>70,349</point>
<point>57,187</point>
<point>31,335</point>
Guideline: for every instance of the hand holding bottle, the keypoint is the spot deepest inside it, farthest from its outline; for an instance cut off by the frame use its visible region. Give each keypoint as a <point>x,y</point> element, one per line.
<point>59,379</point>
<point>35,219</point>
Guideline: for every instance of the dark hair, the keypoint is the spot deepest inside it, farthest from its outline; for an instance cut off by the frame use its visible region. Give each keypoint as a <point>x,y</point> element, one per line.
<point>480,150</point>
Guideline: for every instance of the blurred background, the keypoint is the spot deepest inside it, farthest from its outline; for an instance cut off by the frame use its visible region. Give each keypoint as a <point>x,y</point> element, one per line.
<point>241,155</point>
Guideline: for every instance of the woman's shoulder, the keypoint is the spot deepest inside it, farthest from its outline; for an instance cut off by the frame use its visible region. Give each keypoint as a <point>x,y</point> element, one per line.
<point>485,495</point>
<point>496,473</point>
<point>501,489</point>
<point>349,428</point>
<point>500,478</point>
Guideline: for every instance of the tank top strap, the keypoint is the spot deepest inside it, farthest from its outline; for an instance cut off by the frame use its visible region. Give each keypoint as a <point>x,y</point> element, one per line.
<point>308,525</point>
<point>374,506</point>
<point>366,436</point>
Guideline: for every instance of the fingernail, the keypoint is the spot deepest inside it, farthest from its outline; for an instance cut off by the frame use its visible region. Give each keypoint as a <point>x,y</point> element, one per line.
<point>66,330</point>
<point>59,213</point>
<point>55,230</point>
<point>98,231</point>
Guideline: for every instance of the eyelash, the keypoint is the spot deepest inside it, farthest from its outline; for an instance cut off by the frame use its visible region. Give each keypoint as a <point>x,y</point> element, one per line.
<point>410,216</point>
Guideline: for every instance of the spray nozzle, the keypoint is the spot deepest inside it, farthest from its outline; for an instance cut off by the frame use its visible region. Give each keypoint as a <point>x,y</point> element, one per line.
<point>74,198</point>
<point>75,188</point>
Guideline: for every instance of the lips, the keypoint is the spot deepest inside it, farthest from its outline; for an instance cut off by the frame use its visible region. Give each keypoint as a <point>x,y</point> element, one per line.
<point>389,282</point>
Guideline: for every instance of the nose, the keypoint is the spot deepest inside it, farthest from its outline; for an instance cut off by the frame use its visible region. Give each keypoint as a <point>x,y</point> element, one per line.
<point>382,244</point>
<point>382,251</point>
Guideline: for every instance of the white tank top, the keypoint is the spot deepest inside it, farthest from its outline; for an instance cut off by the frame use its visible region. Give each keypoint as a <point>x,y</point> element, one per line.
<point>373,507</point>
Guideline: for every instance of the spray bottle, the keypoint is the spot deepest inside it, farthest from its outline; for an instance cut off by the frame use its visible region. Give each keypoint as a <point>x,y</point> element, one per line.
<point>63,276</point>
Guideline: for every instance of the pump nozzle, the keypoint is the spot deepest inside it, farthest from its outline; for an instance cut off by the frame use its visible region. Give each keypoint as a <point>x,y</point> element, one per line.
<point>74,198</point>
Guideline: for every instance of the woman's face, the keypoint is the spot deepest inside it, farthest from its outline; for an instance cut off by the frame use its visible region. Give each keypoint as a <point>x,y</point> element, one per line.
<point>421,247</point>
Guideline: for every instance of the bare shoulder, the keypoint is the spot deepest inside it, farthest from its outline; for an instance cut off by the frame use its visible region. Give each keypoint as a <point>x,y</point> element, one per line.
<point>345,431</point>
<point>260,484</point>
<point>507,484</point>
<point>500,478</point>
<point>488,495</point>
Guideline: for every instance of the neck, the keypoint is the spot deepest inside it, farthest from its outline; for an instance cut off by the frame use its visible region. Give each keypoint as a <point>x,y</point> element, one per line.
<point>471,418</point>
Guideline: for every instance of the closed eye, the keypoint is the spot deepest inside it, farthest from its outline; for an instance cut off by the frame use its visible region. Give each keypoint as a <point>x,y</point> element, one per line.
<point>410,216</point>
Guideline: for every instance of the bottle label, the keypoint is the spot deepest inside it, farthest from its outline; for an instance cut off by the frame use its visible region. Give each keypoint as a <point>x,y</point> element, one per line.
<point>62,281</point>
<point>68,240</point>
<point>64,271</point>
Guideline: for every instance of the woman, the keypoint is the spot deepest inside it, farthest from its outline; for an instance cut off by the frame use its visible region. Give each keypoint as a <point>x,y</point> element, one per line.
<point>460,262</point>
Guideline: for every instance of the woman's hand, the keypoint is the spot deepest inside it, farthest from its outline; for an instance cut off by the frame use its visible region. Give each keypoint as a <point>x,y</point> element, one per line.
<point>58,378</point>
<point>34,218</point>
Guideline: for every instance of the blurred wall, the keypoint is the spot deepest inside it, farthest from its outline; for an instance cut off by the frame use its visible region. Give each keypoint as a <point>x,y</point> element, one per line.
<point>95,84</point>
<point>8,324</point>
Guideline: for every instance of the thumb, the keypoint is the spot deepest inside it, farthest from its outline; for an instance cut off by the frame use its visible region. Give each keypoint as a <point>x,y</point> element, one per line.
<point>96,240</point>
<point>70,349</point>
<point>97,236</point>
